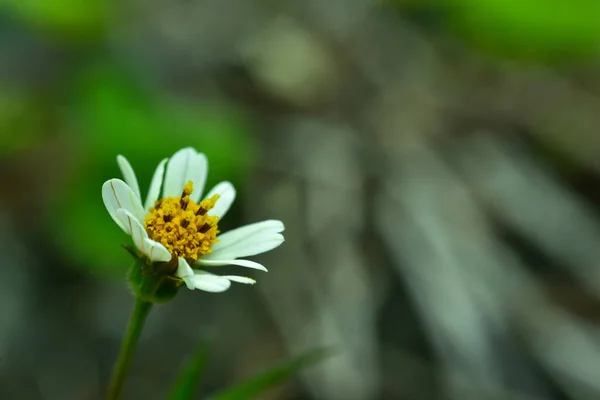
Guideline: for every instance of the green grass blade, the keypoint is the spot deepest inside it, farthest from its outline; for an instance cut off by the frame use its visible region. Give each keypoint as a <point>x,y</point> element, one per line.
<point>187,384</point>
<point>259,384</point>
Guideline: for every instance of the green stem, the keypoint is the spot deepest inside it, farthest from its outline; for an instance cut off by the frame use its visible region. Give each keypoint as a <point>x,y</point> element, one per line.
<point>134,329</point>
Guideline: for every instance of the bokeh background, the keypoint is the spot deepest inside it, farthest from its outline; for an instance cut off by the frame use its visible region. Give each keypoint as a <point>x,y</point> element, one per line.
<point>435,163</point>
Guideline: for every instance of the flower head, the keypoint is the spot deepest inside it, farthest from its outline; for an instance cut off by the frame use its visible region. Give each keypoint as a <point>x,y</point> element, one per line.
<point>178,230</point>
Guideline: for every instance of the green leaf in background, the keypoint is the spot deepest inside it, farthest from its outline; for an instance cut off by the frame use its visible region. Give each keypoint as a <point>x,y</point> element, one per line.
<point>271,378</point>
<point>21,121</point>
<point>73,18</point>
<point>110,112</point>
<point>535,30</point>
<point>187,384</point>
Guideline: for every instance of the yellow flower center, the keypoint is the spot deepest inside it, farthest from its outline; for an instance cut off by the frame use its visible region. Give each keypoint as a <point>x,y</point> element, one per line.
<point>182,226</point>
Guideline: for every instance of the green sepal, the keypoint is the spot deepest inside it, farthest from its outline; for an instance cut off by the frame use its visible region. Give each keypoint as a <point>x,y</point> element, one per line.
<point>153,282</point>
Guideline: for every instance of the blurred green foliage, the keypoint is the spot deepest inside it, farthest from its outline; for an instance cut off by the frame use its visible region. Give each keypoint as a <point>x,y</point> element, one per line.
<point>74,19</point>
<point>186,385</point>
<point>258,385</point>
<point>524,29</point>
<point>21,121</point>
<point>113,114</point>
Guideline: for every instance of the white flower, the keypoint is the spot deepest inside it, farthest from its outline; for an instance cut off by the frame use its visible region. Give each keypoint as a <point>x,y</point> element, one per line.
<point>177,226</point>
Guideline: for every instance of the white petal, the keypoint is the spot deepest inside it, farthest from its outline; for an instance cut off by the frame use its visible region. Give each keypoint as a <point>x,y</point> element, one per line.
<point>226,191</point>
<point>210,282</point>
<point>156,251</point>
<point>241,263</point>
<point>134,228</point>
<point>247,241</point>
<point>116,194</point>
<point>257,229</point>
<point>176,171</point>
<point>186,165</point>
<point>248,248</point>
<point>157,180</point>
<point>129,175</point>
<point>185,272</point>
<point>239,279</point>
<point>197,173</point>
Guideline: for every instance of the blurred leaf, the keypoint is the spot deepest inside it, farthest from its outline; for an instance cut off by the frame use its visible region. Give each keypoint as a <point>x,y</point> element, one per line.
<point>73,17</point>
<point>534,27</point>
<point>527,29</point>
<point>271,378</point>
<point>187,384</point>
<point>145,124</point>
<point>115,114</point>
<point>21,121</point>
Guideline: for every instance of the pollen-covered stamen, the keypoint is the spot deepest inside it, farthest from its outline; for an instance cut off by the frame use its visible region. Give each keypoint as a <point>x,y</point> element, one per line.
<point>201,211</point>
<point>205,227</point>
<point>185,195</point>
<point>182,226</point>
<point>183,204</point>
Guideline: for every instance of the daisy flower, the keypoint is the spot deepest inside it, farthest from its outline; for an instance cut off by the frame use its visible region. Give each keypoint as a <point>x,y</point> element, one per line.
<point>178,229</point>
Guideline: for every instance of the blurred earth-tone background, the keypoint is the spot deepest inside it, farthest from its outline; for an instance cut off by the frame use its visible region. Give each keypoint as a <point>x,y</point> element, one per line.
<point>436,164</point>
